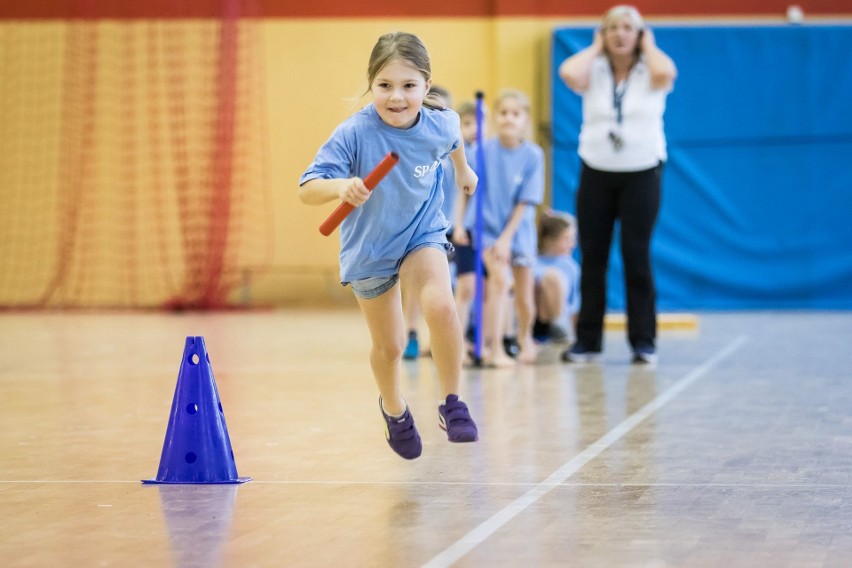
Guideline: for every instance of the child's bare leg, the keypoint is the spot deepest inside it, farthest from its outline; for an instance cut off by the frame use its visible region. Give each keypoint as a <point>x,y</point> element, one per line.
<point>426,272</point>
<point>387,326</point>
<point>550,296</point>
<point>495,306</point>
<point>387,331</point>
<point>465,291</point>
<point>525,306</point>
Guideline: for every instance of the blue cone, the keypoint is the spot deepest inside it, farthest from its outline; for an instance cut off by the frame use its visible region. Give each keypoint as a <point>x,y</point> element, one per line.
<point>197,448</point>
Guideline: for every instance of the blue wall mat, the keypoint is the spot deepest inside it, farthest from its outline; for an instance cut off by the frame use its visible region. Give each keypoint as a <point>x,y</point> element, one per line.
<point>757,192</point>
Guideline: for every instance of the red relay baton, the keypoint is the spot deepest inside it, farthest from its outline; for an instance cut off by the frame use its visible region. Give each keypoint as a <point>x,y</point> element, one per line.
<point>373,178</point>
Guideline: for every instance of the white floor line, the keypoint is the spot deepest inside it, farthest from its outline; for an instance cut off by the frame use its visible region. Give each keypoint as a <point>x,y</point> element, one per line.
<point>255,482</point>
<point>480,534</point>
<point>3,481</point>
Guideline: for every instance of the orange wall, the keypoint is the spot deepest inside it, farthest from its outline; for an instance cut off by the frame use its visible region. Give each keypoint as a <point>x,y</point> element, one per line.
<point>371,8</point>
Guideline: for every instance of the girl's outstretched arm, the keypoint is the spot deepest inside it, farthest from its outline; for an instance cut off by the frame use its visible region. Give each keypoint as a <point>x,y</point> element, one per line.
<point>318,191</point>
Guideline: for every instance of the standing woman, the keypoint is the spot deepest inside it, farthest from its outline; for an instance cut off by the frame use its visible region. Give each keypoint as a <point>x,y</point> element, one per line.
<point>623,78</point>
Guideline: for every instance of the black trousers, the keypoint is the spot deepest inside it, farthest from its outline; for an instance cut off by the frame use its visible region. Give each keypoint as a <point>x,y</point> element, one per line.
<point>634,199</point>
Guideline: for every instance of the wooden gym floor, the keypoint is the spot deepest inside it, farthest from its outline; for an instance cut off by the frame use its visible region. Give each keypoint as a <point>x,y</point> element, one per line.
<point>735,450</point>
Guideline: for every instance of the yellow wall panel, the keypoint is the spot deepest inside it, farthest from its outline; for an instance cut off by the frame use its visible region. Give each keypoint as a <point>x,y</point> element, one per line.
<point>316,74</point>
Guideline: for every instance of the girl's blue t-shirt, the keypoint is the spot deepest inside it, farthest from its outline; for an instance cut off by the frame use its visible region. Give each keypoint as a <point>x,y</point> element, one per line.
<point>513,176</point>
<point>404,211</point>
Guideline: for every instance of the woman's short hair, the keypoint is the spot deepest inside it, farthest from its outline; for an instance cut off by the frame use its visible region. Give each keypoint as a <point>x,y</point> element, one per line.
<point>622,11</point>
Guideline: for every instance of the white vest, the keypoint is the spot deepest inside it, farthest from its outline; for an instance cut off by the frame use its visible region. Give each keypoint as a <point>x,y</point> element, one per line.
<point>640,132</point>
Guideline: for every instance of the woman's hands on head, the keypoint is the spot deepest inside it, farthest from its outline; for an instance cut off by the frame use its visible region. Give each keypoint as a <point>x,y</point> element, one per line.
<point>646,40</point>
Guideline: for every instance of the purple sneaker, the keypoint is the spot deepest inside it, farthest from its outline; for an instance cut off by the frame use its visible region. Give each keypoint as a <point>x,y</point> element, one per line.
<point>455,420</point>
<point>402,434</point>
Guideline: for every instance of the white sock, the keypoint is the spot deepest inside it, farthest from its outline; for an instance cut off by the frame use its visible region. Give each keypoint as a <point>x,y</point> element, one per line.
<point>396,417</point>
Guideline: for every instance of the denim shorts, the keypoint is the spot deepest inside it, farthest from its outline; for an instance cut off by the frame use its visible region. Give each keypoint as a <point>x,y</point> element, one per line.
<point>370,288</point>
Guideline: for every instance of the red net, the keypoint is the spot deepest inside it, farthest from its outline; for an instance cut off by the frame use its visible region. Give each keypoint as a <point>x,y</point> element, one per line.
<point>133,162</point>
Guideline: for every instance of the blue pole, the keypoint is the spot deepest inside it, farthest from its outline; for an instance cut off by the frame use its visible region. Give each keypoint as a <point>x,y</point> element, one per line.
<point>481,192</point>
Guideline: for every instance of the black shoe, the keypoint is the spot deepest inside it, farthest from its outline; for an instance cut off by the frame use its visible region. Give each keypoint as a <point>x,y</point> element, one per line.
<point>541,330</point>
<point>645,356</point>
<point>511,346</point>
<point>580,354</point>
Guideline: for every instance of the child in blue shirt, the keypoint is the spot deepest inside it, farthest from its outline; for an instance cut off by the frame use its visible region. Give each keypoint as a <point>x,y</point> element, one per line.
<point>557,278</point>
<point>397,232</point>
<point>514,168</point>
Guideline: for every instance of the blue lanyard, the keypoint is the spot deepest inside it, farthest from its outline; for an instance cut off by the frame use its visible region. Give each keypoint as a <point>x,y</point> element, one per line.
<point>618,98</point>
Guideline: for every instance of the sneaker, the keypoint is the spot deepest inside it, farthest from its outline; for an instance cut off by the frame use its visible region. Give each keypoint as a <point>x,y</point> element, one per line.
<point>541,331</point>
<point>578,353</point>
<point>402,434</point>
<point>511,346</point>
<point>412,348</point>
<point>544,332</point>
<point>644,355</point>
<point>454,419</point>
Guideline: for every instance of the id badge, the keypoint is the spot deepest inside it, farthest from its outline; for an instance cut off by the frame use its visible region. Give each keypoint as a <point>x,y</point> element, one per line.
<point>616,140</point>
